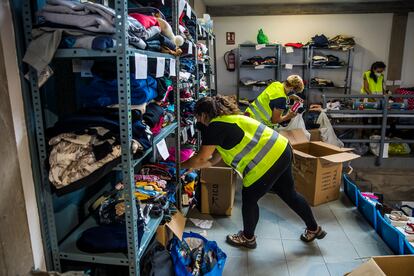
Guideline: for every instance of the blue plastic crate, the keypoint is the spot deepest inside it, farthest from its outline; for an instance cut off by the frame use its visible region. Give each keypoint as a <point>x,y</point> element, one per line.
<point>391,236</point>
<point>408,248</point>
<point>367,209</point>
<point>351,190</point>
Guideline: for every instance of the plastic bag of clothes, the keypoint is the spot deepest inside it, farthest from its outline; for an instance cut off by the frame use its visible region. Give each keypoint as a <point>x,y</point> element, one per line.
<point>297,123</point>
<point>327,132</point>
<point>399,148</point>
<point>195,255</point>
<point>262,38</point>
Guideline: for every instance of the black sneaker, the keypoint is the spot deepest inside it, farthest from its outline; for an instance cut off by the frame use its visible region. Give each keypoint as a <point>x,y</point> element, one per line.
<point>240,240</point>
<point>309,236</point>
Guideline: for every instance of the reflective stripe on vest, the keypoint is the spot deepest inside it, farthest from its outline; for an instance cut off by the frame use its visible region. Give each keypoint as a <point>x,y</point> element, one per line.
<point>256,153</point>
<point>249,146</point>
<point>260,155</point>
<point>261,106</point>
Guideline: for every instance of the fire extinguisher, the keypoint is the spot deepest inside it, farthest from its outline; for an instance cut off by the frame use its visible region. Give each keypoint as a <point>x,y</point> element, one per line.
<point>230,60</point>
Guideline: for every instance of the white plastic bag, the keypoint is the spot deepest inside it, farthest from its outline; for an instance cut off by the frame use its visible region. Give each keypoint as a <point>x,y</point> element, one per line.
<point>327,132</point>
<point>375,147</point>
<point>297,122</point>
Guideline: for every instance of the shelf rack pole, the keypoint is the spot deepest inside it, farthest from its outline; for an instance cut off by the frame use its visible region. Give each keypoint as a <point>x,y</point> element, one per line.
<point>215,63</point>
<point>124,98</point>
<point>177,109</point>
<point>42,187</point>
<point>383,129</point>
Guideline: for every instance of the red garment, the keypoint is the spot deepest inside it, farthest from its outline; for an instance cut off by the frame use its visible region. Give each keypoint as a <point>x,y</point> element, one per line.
<point>294,45</point>
<point>157,128</point>
<point>146,20</point>
<point>405,91</point>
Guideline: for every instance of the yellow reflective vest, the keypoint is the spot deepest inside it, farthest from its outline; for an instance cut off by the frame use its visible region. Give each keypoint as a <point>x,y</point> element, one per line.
<point>260,109</point>
<point>257,152</point>
<point>374,87</point>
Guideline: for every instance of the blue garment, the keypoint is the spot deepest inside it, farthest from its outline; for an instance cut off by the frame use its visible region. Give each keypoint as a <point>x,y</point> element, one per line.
<point>101,93</point>
<point>188,65</point>
<point>102,42</point>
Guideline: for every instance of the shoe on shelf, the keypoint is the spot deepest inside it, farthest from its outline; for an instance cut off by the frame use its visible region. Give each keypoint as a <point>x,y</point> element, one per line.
<point>240,240</point>
<point>309,236</point>
<point>398,216</point>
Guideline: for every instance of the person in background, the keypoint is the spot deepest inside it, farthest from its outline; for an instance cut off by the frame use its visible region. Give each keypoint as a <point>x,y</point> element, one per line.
<point>269,106</point>
<point>373,80</point>
<point>261,155</point>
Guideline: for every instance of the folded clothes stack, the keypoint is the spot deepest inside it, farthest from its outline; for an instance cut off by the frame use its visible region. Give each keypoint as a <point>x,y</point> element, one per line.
<point>319,82</point>
<point>342,42</point>
<point>248,82</point>
<point>258,60</point>
<point>319,60</point>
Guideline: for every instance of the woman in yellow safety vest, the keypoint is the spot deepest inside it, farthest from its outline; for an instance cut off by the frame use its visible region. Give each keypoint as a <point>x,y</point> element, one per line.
<point>373,80</point>
<point>269,106</point>
<point>261,156</point>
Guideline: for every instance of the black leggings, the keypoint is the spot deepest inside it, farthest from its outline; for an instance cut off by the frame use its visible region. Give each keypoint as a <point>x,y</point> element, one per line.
<point>279,179</point>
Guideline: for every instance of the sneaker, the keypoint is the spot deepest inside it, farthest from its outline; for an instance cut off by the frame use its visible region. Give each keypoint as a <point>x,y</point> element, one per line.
<point>240,240</point>
<point>309,236</point>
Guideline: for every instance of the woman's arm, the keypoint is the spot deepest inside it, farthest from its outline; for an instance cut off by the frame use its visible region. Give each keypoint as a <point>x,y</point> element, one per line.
<point>277,116</point>
<point>203,159</point>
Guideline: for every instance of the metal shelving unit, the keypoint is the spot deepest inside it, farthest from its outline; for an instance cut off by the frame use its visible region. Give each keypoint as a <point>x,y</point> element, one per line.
<point>274,68</point>
<point>346,70</point>
<point>210,67</point>
<point>66,249</point>
<point>384,112</point>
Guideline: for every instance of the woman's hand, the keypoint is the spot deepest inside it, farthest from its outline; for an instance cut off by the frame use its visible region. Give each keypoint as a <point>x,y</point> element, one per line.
<point>291,114</point>
<point>201,160</point>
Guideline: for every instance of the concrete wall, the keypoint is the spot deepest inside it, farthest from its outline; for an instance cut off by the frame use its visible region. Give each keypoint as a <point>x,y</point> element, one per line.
<point>408,63</point>
<point>20,156</point>
<point>372,33</point>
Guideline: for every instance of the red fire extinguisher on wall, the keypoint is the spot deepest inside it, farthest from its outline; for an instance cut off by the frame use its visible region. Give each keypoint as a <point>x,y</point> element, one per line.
<point>230,60</point>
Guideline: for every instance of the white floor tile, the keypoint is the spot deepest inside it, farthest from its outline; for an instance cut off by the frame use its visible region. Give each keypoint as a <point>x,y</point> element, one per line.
<point>365,249</point>
<point>270,250</point>
<point>296,251</point>
<point>337,251</point>
<point>340,269</point>
<point>299,268</point>
<point>259,266</point>
<point>236,266</point>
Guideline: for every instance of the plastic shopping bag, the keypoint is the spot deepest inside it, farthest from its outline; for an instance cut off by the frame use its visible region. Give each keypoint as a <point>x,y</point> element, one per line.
<point>327,132</point>
<point>210,263</point>
<point>296,122</point>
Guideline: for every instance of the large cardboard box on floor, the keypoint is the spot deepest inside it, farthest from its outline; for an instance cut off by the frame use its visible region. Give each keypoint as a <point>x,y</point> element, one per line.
<point>317,168</point>
<point>386,266</point>
<point>173,228</point>
<point>218,186</point>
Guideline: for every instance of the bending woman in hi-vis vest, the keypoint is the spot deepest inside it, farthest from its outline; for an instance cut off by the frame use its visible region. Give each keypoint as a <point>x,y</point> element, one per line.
<point>259,154</point>
<point>269,106</point>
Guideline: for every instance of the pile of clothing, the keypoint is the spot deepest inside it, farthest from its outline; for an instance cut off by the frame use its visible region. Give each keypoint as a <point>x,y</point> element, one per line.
<point>342,42</point>
<point>258,60</point>
<point>85,146</point>
<point>406,91</point>
<point>320,60</point>
<point>296,45</point>
<point>319,82</point>
<point>251,82</point>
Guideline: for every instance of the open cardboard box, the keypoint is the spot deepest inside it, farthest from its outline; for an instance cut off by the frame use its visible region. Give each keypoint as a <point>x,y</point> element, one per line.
<point>317,167</point>
<point>218,187</point>
<point>386,266</point>
<point>173,228</point>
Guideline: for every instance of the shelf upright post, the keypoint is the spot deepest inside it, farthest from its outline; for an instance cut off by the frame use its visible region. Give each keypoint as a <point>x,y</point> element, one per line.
<point>278,68</point>
<point>177,109</point>
<point>215,63</point>
<point>238,73</point>
<point>124,98</point>
<point>197,84</point>
<point>383,129</point>
<point>42,187</point>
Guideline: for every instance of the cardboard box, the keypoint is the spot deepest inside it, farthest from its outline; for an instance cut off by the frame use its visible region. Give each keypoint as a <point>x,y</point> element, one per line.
<point>315,134</point>
<point>173,228</point>
<point>317,167</point>
<point>218,186</point>
<point>386,266</point>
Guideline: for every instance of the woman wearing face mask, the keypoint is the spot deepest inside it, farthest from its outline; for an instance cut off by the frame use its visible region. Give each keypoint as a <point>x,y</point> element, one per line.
<point>259,154</point>
<point>373,83</point>
<point>269,106</point>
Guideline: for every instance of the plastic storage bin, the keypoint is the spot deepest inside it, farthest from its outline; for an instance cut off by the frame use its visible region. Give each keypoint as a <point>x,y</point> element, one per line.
<point>351,190</point>
<point>391,236</point>
<point>367,209</point>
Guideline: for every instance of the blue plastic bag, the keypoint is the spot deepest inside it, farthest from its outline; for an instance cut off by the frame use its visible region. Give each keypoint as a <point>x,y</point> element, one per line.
<point>182,262</point>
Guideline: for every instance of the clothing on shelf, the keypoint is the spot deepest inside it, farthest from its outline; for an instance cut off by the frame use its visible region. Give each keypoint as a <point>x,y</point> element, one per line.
<point>320,60</point>
<point>319,82</point>
<point>342,42</point>
<point>258,60</point>
<point>247,82</point>
<point>75,156</point>
<point>319,41</point>
<point>153,114</point>
<point>296,45</point>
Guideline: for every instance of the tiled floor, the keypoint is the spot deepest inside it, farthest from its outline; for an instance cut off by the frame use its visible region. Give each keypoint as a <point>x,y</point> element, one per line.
<point>280,252</point>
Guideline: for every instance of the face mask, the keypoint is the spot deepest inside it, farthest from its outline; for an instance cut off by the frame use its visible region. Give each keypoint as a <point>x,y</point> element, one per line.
<point>378,74</point>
